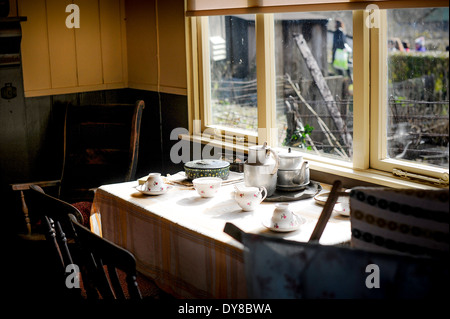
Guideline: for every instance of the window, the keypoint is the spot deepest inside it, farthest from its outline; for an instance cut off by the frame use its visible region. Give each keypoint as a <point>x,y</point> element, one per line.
<point>232,48</point>
<point>316,118</point>
<point>338,85</point>
<point>417,86</point>
<point>410,110</point>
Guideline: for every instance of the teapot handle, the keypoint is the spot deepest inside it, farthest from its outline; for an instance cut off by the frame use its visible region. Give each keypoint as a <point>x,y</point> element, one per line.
<point>277,160</point>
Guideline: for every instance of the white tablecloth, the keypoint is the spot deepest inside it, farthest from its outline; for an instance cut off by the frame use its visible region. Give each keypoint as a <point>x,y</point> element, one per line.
<point>178,239</point>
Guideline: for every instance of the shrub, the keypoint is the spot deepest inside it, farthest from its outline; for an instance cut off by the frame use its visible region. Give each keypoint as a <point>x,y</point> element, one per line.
<point>404,66</point>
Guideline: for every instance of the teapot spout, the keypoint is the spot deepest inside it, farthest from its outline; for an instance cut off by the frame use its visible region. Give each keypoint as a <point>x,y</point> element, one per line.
<point>304,172</point>
<point>303,168</point>
<point>302,176</point>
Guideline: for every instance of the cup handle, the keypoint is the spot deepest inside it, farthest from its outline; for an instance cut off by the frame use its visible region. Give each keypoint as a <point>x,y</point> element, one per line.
<point>262,188</point>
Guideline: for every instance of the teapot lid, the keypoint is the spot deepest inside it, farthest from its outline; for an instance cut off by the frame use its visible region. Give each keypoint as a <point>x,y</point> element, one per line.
<point>290,154</point>
<point>259,147</point>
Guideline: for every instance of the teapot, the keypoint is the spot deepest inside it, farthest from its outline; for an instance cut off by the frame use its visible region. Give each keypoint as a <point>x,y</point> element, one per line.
<point>260,154</point>
<point>293,170</point>
<point>261,168</point>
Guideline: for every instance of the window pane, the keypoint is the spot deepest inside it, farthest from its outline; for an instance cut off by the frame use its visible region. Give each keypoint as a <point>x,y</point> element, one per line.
<point>313,53</point>
<point>417,119</point>
<point>233,71</point>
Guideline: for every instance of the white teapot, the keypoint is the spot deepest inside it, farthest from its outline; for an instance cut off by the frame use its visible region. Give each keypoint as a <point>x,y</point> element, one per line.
<point>249,197</point>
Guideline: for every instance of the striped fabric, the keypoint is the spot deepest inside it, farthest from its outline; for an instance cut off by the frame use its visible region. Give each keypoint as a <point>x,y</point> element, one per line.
<point>406,221</point>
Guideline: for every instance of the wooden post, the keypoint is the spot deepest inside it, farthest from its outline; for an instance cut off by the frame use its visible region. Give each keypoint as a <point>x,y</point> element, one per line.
<point>324,90</point>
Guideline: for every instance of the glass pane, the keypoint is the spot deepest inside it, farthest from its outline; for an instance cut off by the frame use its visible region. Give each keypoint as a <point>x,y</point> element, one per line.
<point>313,53</point>
<point>418,67</point>
<point>232,48</point>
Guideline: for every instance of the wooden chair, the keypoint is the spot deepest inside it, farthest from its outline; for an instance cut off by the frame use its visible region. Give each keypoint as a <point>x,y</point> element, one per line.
<point>55,216</point>
<point>104,260</point>
<point>106,270</point>
<point>101,146</point>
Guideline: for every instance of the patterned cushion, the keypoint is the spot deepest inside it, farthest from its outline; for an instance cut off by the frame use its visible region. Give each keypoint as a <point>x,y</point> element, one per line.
<point>407,221</point>
<point>85,210</point>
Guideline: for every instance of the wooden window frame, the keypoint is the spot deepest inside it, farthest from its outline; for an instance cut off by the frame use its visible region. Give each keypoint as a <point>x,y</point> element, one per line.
<point>369,161</point>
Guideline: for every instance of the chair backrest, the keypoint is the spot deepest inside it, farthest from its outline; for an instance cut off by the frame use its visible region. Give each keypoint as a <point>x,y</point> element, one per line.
<point>96,258</point>
<point>55,217</point>
<point>101,147</point>
<point>406,221</point>
<point>276,268</point>
<point>103,261</point>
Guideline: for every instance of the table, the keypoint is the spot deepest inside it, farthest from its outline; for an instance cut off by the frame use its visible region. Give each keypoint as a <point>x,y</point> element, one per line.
<point>178,239</point>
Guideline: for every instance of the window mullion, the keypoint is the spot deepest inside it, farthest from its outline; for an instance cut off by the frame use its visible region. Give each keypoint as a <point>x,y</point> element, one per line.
<point>193,71</point>
<point>265,75</point>
<point>204,76</point>
<point>378,85</point>
<point>361,93</point>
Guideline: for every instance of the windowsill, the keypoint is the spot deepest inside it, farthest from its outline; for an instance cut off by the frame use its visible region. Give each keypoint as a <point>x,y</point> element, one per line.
<point>371,176</point>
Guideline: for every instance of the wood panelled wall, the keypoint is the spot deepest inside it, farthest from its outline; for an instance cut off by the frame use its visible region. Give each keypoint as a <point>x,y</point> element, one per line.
<point>57,59</point>
<point>124,50</point>
<point>159,62</point>
<point>120,43</point>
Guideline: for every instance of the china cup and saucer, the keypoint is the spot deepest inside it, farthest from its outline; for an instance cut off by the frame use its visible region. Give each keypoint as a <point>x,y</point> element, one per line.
<point>283,219</point>
<point>154,185</point>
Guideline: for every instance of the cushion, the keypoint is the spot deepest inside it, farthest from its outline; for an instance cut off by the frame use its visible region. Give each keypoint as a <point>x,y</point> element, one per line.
<point>406,221</point>
<point>85,210</point>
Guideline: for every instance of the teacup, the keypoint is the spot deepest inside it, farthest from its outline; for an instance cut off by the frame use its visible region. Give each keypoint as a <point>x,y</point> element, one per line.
<point>155,183</point>
<point>207,186</point>
<point>343,205</point>
<point>249,197</point>
<point>283,217</point>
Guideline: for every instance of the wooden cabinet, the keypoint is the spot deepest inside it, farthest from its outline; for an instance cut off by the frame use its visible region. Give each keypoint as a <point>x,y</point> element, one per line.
<point>57,59</point>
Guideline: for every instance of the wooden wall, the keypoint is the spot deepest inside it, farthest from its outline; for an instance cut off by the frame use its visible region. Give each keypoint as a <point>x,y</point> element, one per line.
<point>59,60</point>
<point>156,45</point>
<point>82,65</point>
<point>155,70</point>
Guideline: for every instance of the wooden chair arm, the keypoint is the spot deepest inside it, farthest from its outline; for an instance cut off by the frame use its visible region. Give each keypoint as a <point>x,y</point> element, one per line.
<point>26,186</point>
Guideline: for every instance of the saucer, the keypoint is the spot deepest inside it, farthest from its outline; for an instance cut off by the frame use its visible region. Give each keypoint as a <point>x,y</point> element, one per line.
<point>321,199</point>
<point>300,221</point>
<point>339,207</point>
<point>292,188</point>
<point>140,189</point>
